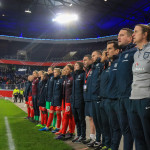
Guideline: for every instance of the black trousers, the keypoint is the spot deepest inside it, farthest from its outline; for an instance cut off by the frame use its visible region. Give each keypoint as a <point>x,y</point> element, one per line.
<point>21,98</point>
<point>79,117</point>
<point>97,120</point>
<point>140,117</point>
<point>15,98</point>
<point>35,105</point>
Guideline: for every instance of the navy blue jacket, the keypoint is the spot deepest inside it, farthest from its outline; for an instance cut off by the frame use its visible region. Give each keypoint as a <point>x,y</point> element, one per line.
<point>104,80</point>
<point>57,92</point>
<point>50,84</point>
<point>92,93</point>
<point>77,89</point>
<point>87,93</point>
<point>39,87</point>
<point>112,83</point>
<point>96,73</point>
<point>124,73</point>
<point>43,93</point>
<point>28,90</point>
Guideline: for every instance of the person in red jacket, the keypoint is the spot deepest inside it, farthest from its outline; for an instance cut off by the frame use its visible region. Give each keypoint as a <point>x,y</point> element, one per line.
<point>68,116</point>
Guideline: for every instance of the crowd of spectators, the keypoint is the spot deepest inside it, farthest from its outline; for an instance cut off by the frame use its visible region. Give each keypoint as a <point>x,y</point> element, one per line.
<point>10,76</point>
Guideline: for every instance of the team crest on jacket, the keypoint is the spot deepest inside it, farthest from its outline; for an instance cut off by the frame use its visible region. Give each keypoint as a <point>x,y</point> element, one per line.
<point>146,55</point>
<point>126,56</point>
<point>115,65</point>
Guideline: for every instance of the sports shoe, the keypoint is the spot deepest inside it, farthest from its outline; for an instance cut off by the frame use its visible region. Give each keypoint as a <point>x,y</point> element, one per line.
<point>51,128</point>
<point>75,139</point>
<point>60,137</point>
<point>105,148</point>
<point>32,119</point>
<point>42,125</point>
<point>27,117</point>
<point>58,133</point>
<point>68,133</point>
<point>91,144</point>
<point>86,141</point>
<point>38,125</point>
<point>97,146</point>
<point>44,129</point>
<point>37,122</point>
<point>69,136</point>
<point>56,130</point>
<point>81,139</point>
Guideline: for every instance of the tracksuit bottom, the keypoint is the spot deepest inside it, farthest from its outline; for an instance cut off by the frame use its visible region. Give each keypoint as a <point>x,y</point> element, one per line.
<point>104,110</point>
<point>140,117</point>
<point>125,122</point>
<point>97,120</point>
<point>113,108</point>
<point>79,117</point>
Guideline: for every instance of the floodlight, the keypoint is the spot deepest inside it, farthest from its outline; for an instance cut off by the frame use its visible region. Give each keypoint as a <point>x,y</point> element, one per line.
<point>65,18</point>
<point>27,11</point>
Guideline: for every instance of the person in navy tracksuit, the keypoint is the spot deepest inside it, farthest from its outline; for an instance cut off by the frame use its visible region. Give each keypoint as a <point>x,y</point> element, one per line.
<point>97,67</point>
<point>56,101</point>
<point>104,109</point>
<point>124,81</point>
<point>112,89</point>
<point>77,102</point>
<point>42,99</point>
<point>87,89</point>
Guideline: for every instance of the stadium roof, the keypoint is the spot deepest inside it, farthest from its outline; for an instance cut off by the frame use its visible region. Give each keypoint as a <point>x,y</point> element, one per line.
<point>97,18</point>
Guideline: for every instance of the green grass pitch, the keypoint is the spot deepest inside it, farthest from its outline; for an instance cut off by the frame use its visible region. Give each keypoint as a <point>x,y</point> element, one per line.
<point>25,134</point>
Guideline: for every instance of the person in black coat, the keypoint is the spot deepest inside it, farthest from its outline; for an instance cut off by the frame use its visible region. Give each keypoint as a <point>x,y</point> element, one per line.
<point>77,102</point>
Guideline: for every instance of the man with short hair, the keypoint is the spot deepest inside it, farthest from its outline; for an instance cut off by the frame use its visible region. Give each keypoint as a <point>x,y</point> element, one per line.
<point>97,67</point>
<point>87,88</point>
<point>104,103</point>
<point>124,81</point>
<point>112,89</point>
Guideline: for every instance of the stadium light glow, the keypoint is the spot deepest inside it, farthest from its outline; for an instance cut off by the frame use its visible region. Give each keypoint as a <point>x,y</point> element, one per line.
<point>28,11</point>
<point>65,18</point>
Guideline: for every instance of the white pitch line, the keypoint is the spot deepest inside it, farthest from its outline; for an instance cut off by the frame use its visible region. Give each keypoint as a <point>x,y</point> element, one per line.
<point>9,135</point>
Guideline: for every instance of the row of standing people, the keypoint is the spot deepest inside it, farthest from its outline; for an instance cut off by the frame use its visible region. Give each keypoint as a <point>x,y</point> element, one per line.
<point>113,92</point>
